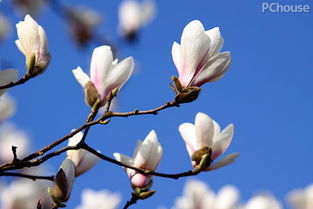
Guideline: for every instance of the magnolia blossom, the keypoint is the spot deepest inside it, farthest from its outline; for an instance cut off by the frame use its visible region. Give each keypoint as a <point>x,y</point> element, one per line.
<point>7,107</point>
<point>197,195</point>
<point>146,156</point>
<point>134,15</point>
<point>301,199</point>
<point>105,75</point>
<point>82,21</point>
<point>82,159</point>
<point>63,182</point>
<point>25,194</point>
<point>263,201</point>
<point>198,58</point>
<point>33,43</point>
<point>5,27</point>
<point>102,199</point>
<point>11,136</point>
<point>206,135</point>
<point>7,76</point>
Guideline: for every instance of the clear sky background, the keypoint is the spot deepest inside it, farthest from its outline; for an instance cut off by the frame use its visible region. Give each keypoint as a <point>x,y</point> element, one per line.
<point>267,94</point>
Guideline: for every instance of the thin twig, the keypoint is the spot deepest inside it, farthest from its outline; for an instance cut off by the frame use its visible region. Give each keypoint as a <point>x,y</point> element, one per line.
<point>130,202</point>
<point>19,82</point>
<point>32,177</point>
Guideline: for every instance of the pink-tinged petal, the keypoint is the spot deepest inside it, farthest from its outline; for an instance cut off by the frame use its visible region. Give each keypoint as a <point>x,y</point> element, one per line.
<point>195,45</point>
<point>87,161</point>
<point>228,159</point>
<point>140,180</point>
<point>101,62</point>
<point>217,41</point>
<point>150,152</point>
<point>176,57</point>
<point>204,130</point>
<point>213,70</point>
<point>7,76</point>
<point>118,75</point>
<point>223,141</point>
<point>80,76</point>
<point>188,133</point>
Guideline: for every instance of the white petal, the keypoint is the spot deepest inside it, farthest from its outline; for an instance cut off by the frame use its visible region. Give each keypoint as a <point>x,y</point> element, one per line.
<point>217,40</point>
<point>123,159</point>
<point>195,45</point>
<point>80,76</point>
<point>147,12</point>
<point>213,70</point>
<point>87,161</point>
<point>188,133</point>
<point>7,107</point>
<point>119,75</point>
<point>75,155</point>
<point>217,131</point>
<point>223,141</point>
<point>28,35</point>
<point>150,152</point>
<point>101,63</point>
<point>19,46</point>
<point>43,40</point>
<point>6,77</point>
<point>129,16</point>
<point>204,130</point>
<point>176,56</point>
<point>227,197</point>
<point>228,159</point>
<point>263,201</point>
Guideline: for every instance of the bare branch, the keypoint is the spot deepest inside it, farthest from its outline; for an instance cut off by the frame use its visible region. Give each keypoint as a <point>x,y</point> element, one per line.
<point>32,177</point>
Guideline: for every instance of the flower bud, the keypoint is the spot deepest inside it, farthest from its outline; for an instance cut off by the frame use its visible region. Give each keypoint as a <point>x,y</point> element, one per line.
<point>33,43</point>
<point>61,190</point>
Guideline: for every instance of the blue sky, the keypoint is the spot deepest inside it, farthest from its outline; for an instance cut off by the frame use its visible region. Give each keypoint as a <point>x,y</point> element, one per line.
<point>266,94</point>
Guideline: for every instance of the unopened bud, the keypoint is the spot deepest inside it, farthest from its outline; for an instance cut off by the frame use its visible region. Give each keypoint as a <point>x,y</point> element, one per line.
<point>91,94</point>
<point>61,190</point>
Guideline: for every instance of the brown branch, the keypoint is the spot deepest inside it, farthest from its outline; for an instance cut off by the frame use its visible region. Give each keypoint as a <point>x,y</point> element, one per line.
<point>25,78</point>
<point>32,177</point>
<point>26,162</point>
<point>130,202</point>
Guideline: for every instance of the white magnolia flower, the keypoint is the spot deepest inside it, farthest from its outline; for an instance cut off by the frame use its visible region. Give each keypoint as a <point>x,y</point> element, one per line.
<point>5,27</point>
<point>63,182</point>
<point>206,133</point>
<point>33,43</point>
<point>105,74</point>
<point>7,76</point>
<point>134,15</point>
<point>198,58</point>
<point>301,199</point>
<point>197,195</point>
<point>263,201</point>
<point>25,194</point>
<point>102,199</point>
<point>146,156</point>
<point>82,21</point>
<point>82,159</point>
<point>11,136</point>
<point>7,107</point>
